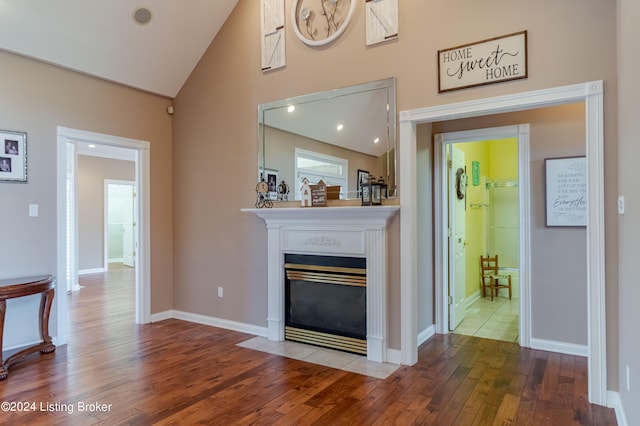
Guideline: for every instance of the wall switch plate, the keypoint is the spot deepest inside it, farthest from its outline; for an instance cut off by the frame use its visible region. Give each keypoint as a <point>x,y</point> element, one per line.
<point>628,379</point>
<point>621,204</point>
<point>33,210</point>
<point>220,292</point>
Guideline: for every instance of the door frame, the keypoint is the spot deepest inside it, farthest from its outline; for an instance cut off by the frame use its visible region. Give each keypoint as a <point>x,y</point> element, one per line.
<point>108,182</point>
<point>143,180</point>
<point>521,133</point>
<point>591,93</point>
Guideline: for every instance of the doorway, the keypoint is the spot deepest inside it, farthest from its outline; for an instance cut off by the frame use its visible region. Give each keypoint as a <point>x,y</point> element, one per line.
<point>119,231</point>
<point>483,210</point>
<point>65,168</point>
<point>591,93</point>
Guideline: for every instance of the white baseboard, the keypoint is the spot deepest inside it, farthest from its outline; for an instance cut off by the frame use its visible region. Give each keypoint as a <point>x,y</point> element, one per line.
<point>118,260</point>
<point>614,401</point>
<point>469,300</point>
<point>560,347</point>
<point>90,271</point>
<point>212,321</point>
<point>25,345</point>
<point>394,356</point>
<point>426,334</point>
<point>161,316</point>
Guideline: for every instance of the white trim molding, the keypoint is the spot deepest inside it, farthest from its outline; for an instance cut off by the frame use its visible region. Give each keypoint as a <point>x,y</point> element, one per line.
<point>91,271</point>
<point>220,323</point>
<point>614,401</point>
<point>591,93</point>
<point>426,334</point>
<point>560,347</point>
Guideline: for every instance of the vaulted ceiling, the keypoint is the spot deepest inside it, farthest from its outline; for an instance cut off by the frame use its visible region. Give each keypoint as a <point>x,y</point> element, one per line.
<point>105,38</point>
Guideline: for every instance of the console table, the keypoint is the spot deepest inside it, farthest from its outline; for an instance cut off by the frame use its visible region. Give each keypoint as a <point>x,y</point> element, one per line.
<point>26,286</point>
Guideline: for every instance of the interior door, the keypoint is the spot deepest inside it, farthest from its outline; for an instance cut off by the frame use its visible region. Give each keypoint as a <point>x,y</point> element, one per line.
<point>457,237</point>
<point>128,228</point>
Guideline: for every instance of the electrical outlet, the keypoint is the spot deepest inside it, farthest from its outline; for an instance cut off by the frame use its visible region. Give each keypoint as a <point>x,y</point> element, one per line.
<point>220,292</point>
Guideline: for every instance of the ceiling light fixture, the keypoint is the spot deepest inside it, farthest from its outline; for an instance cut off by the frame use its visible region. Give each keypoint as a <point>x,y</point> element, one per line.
<point>376,140</point>
<point>91,145</point>
<point>291,108</point>
<point>142,15</point>
<point>340,127</point>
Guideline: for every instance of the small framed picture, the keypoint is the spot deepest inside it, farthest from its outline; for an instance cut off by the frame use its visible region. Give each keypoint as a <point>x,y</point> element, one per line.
<point>363,177</point>
<point>13,156</point>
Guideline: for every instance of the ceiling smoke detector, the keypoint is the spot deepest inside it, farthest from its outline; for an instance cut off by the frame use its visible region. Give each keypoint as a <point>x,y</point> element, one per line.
<point>142,15</point>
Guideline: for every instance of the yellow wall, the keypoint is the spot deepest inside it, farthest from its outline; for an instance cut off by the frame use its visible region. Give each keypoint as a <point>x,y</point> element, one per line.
<point>504,159</point>
<point>498,160</point>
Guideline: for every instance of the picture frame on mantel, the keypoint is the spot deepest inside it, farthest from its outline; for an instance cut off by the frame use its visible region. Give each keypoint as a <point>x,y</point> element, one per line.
<point>566,191</point>
<point>361,177</point>
<point>13,156</point>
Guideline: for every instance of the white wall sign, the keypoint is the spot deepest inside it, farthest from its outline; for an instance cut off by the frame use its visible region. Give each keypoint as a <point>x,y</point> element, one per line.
<point>272,32</point>
<point>381,20</point>
<point>566,180</point>
<point>485,62</point>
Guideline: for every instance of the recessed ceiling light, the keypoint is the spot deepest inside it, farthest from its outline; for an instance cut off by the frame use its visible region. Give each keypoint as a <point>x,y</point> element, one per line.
<point>91,145</point>
<point>142,15</point>
<point>291,108</point>
<point>340,127</point>
<point>376,140</point>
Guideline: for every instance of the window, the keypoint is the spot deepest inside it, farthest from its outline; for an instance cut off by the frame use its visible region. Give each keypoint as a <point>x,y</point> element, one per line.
<point>315,166</point>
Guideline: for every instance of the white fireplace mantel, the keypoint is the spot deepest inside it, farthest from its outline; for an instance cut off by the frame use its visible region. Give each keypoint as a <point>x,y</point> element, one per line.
<point>335,231</point>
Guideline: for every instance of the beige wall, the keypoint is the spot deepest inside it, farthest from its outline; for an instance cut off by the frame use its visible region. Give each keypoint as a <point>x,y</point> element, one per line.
<point>629,230</point>
<point>215,126</point>
<point>38,97</point>
<point>91,174</point>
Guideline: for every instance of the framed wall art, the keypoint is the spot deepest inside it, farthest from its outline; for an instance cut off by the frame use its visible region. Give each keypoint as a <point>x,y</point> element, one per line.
<point>13,156</point>
<point>566,191</point>
<point>489,61</point>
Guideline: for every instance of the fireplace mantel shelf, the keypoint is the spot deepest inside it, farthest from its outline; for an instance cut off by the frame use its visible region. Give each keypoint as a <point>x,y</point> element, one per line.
<point>348,213</point>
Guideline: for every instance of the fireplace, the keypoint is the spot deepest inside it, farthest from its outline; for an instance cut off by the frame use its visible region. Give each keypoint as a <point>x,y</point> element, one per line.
<point>349,231</point>
<point>326,301</point>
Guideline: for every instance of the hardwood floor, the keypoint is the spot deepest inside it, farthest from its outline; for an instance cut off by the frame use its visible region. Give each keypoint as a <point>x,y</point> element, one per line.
<point>175,372</point>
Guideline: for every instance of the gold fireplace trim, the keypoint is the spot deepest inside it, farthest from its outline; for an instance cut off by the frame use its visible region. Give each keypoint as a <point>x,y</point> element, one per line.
<point>323,274</point>
<point>332,341</point>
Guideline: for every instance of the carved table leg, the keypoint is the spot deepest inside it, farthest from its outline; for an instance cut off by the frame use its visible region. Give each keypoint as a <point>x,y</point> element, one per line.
<point>45,309</point>
<point>3,309</point>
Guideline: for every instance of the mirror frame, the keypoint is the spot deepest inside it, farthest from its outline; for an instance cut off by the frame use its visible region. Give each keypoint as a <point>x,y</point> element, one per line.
<point>392,142</point>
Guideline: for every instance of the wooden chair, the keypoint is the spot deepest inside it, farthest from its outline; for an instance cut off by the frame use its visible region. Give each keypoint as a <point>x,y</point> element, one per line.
<point>491,278</point>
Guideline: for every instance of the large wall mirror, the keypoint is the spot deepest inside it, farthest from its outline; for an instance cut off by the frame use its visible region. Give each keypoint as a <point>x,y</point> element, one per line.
<point>337,136</point>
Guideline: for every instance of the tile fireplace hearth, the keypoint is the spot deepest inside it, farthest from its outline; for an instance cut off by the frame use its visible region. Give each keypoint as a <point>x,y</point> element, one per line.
<point>358,232</point>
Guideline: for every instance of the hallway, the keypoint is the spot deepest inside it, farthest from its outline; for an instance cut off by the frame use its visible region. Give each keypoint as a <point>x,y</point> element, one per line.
<point>497,319</point>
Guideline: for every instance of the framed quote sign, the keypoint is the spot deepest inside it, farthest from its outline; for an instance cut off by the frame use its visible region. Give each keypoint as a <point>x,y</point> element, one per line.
<point>489,61</point>
<point>566,191</point>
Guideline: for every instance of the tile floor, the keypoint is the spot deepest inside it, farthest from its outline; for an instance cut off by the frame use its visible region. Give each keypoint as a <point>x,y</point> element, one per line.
<point>497,319</point>
<point>327,357</point>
